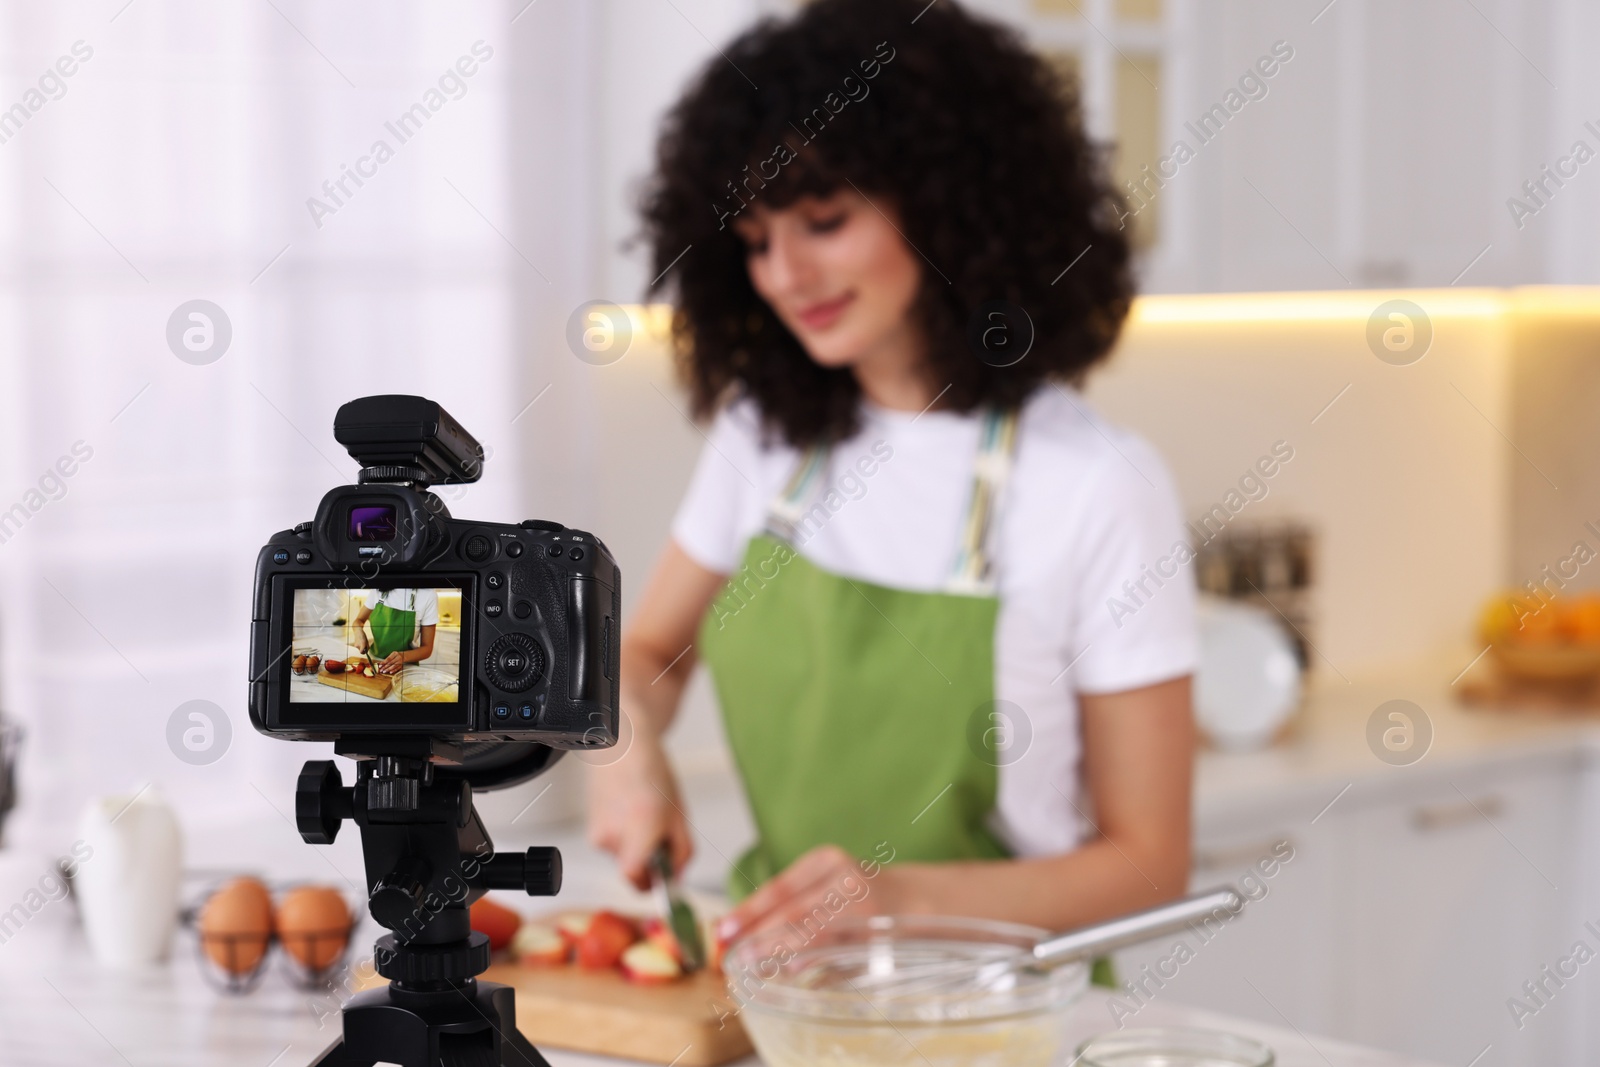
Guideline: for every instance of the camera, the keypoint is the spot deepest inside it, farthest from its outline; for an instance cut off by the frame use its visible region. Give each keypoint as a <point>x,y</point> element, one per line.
<point>443,656</point>
<point>384,616</point>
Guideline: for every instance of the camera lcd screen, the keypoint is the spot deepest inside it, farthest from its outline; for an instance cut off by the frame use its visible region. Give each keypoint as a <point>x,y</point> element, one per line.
<point>371,523</point>
<point>376,646</point>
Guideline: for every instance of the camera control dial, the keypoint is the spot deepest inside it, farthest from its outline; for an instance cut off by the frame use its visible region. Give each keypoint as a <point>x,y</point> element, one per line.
<point>515,662</point>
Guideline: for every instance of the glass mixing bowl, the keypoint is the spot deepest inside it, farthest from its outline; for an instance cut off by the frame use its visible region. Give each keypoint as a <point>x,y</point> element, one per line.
<point>1173,1047</point>
<point>817,1002</point>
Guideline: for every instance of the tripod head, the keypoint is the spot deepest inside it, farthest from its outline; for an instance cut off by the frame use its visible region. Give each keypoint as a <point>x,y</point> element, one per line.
<point>427,857</point>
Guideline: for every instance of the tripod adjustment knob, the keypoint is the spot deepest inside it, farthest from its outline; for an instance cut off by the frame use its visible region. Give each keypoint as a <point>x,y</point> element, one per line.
<point>536,871</point>
<point>398,896</point>
<point>321,802</point>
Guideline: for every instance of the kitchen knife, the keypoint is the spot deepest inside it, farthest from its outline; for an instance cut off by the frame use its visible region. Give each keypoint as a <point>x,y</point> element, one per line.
<point>676,913</point>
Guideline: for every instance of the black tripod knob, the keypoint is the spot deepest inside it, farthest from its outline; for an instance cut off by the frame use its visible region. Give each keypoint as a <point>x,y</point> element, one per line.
<point>536,871</point>
<point>398,895</point>
<point>321,802</point>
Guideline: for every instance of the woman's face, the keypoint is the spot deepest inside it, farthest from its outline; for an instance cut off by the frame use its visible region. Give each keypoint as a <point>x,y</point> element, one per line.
<point>837,273</point>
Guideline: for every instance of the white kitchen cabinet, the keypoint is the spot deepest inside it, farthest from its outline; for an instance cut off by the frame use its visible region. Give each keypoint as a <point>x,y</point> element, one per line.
<point>1410,912</point>
<point>1278,955</point>
<point>1455,893</point>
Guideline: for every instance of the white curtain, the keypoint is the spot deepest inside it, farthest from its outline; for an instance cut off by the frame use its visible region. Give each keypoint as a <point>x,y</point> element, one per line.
<point>175,163</point>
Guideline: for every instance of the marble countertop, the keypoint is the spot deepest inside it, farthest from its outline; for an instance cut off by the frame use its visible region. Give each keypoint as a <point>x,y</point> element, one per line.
<point>57,1009</point>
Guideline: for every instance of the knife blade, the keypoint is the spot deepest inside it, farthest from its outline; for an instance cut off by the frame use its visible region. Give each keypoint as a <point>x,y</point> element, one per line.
<point>676,913</point>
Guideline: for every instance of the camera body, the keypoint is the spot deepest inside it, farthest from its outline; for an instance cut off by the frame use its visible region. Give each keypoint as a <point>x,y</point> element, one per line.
<point>492,632</point>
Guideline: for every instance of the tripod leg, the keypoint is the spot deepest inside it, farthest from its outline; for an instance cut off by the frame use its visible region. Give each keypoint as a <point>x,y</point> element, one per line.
<point>518,1051</point>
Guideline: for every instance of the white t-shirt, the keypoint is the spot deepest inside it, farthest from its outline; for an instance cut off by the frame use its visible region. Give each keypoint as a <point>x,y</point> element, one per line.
<point>425,602</point>
<point>1088,507</point>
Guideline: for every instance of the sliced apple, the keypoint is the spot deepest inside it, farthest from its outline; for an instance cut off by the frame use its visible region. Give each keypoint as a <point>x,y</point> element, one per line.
<point>647,963</point>
<point>603,943</point>
<point>663,937</point>
<point>538,945</point>
<point>496,920</point>
<point>573,926</point>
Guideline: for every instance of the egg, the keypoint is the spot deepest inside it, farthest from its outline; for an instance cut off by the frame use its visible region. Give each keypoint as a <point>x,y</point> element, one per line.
<point>314,925</point>
<point>236,925</point>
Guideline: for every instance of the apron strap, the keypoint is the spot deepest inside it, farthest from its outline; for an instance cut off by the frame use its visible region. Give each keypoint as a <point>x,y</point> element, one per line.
<point>785,511</point>
<point>974,568</point>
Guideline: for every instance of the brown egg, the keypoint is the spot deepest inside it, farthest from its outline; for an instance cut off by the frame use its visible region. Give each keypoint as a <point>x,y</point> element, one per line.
<point>314,925</point>
<point>299,665</point>
<point>236,925</point>
<point>311,664</point>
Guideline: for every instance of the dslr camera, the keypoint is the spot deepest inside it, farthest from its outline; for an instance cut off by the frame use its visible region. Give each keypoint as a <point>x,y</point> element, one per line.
<point>384,617</point>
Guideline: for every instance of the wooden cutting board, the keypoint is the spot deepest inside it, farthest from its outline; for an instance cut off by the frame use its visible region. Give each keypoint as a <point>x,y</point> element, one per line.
<point>354,682</point>
<point>688,1023</point>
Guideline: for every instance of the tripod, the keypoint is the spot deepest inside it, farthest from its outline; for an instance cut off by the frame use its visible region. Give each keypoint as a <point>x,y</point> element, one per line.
<point>427,857</point>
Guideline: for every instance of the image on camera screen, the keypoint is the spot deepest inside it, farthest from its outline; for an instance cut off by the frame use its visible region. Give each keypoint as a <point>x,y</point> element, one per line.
<point>376,645</point>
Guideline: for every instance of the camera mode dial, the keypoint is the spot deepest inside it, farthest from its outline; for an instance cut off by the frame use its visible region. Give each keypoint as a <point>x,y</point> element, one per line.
<point>514,663</point>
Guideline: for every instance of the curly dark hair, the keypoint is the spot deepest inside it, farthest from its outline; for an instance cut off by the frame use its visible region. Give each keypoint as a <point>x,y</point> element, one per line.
<point>979,144</point>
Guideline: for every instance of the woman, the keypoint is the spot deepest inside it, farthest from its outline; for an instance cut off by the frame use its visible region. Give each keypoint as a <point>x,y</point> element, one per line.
<point>403,623</point>
<point>897,551</point>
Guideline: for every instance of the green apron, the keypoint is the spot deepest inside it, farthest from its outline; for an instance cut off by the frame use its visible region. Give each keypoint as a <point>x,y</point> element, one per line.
<point>849,705</point>
<point>392,628</point>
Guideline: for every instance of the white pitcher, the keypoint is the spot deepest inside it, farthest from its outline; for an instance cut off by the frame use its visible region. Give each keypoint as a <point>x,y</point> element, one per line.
<point>127,889</point>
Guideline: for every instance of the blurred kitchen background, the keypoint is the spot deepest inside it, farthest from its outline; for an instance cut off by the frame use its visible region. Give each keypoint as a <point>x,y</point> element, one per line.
<point>1424,152</point>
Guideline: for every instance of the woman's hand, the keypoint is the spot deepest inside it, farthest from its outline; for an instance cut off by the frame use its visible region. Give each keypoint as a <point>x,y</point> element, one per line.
<point>822,885</point>
<point>391,663</point>
<point>634,806</point>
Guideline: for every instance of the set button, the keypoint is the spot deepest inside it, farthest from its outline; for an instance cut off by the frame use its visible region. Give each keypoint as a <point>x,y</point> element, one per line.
<point>514,663</point>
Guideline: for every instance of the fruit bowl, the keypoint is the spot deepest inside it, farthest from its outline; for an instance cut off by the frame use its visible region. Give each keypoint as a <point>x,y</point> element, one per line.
<point>816,1003</point>
<point>1563,661</point>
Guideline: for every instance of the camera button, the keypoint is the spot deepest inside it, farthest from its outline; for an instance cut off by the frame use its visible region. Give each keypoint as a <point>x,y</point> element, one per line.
<point>576,553</point>
<point>281,556</point>
<point>303,556</point>
<point>513,661</point>
<point>514,549</point>
<point>493,609</point>
<point>526,711</point>
<point>496,580</point>
<point>502,711</point>
<point>555,550</point>
<point>478,548</point>
<point>522,609</point>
